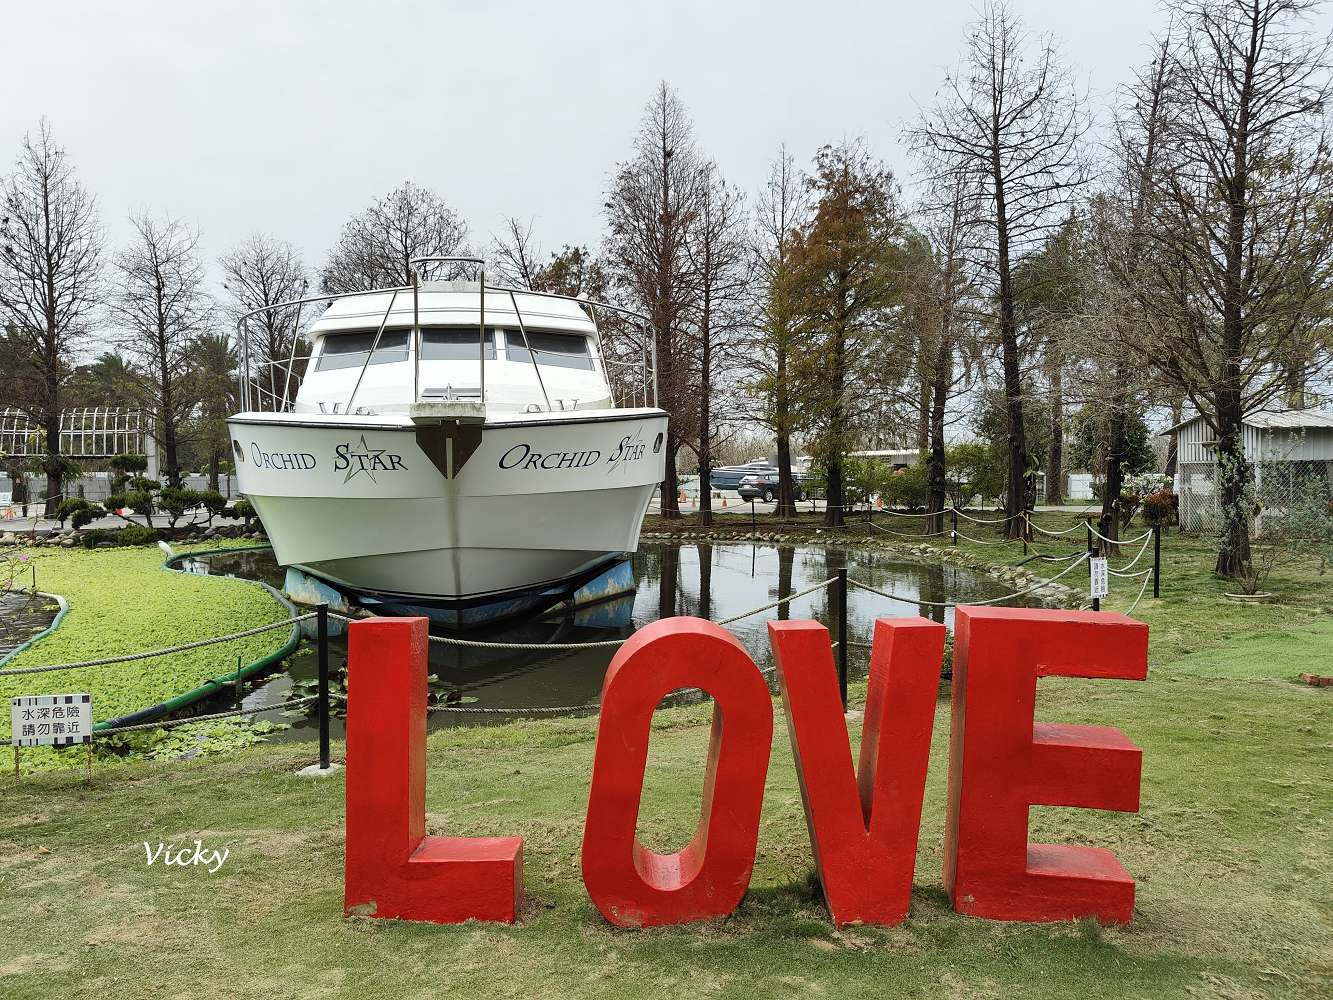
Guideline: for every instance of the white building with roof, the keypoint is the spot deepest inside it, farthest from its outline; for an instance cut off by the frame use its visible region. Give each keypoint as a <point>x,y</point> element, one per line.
<point>1299,438</point>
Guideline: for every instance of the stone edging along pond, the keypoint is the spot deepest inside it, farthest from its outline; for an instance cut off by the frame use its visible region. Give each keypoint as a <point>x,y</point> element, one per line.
<point>1053,595</point>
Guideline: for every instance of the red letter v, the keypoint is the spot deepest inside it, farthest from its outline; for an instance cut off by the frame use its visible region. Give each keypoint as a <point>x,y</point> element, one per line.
<point>864,838</point>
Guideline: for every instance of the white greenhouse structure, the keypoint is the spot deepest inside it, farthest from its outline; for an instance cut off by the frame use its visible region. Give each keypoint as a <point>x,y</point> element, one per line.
<point>1301,440</point>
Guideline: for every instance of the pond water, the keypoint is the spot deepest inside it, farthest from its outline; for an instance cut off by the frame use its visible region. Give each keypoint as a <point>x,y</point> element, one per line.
<point>712,581</point>
<point>22,615</point>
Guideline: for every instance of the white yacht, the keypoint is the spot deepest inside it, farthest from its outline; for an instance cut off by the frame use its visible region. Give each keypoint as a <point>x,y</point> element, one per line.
<point>451,444</point>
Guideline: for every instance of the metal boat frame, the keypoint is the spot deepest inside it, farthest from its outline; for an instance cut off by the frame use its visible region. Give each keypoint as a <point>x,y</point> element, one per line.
<point>252,392</point>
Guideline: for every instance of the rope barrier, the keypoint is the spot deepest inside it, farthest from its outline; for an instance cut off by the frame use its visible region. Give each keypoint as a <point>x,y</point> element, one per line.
<point>779,602</point>
<point>1142,590</point>
<point>1120,541</point>
<point>566,709</point>
<point>1130,565</point>
<point>608,643</point>
<point>478,644</point>
<point>204,718</point>
<point>1129,576</point>
<point>954,604</point>
<point>982,520</point>
<point>1056,534</point>
<point>534,710</point>
<point>909,534</point>
<point>184,647</point>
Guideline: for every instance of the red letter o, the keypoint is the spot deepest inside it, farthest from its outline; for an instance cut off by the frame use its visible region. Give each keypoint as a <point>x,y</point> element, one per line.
<point>631,885</point>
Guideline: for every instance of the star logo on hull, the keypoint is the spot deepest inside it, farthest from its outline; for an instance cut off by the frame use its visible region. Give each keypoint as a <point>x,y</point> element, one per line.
<point>356,459</point>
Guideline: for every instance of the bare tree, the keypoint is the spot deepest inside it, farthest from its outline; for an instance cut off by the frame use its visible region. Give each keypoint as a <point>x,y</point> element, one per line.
<point>781,212</point>
<point>1234,254</point>
<point>718,255</point>
<point>1010,126</point>
<point>160,305</point>
<point>1115,377</point>
<point>515,253</point>
<point>572,270</point>
<point>263,271</point>
<point>50,269</point>
<point>945,339</point>
<point>650,208</point>
<point>376,247</point>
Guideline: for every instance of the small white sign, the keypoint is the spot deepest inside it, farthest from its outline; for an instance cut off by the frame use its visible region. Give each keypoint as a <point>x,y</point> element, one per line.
<point>56,720</point>
<point>1100,577</point>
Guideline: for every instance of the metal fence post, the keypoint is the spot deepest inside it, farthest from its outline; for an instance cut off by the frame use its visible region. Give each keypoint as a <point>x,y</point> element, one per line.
<point>1096,601</point>
<point>953,534</point>
<point>1087,523</point>
<point>842,636</point>
<point>322,636</point>
<point>1157,560</point>
<point>753,525</point>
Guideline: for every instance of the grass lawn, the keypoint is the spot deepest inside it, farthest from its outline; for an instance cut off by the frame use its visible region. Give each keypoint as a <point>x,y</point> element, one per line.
<point>1231,851</point>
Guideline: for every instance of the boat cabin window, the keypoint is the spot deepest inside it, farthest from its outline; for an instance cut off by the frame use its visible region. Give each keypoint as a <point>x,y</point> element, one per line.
<point>350,350</point>
<point>454,344</point>
<point>556,349</point>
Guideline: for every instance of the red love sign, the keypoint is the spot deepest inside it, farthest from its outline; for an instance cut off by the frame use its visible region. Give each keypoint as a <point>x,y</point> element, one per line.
<point>863,822</point>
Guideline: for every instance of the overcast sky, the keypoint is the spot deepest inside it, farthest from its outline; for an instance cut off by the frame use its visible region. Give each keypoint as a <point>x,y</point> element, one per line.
<point>288,117</point>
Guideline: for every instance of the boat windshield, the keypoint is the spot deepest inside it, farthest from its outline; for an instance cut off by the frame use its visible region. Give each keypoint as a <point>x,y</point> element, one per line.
<point>440,344</point>
<point>556,349</point>
<point>350,350</point>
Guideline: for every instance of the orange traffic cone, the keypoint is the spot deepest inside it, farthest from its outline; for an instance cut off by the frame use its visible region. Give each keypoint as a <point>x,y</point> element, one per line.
<point>724,500</point>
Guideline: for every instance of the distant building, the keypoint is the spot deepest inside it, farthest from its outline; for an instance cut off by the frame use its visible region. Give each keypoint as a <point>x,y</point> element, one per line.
<point>1300,438</point>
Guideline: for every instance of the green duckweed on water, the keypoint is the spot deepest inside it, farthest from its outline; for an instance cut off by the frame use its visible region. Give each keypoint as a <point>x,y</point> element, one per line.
<point>123,601</point>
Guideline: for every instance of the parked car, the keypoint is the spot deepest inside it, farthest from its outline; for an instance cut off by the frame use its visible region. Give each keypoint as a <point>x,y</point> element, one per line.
<point>728,477</point>
<point>764,486</point>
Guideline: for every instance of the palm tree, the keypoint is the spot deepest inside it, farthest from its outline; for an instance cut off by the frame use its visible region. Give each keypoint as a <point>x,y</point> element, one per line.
<point>213,378</point>
<point>108,381</point>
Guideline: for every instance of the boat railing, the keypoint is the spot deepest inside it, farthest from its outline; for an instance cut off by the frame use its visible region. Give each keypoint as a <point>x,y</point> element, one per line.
<point>628,362</point>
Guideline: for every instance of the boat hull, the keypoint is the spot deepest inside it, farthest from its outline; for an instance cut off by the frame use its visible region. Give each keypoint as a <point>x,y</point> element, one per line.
<point>360,502</point>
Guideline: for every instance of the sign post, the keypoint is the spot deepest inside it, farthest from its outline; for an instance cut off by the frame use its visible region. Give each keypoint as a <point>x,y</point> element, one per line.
<point>53,720</point>
<point>1099,579</point>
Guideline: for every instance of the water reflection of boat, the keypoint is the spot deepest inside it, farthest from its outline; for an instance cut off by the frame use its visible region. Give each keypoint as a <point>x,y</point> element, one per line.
<point>452,446</point>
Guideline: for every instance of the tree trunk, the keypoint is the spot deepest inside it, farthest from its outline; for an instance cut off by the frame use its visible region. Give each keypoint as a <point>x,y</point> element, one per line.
<point>937,474</point>
<point>1055,470</point>
<point>667,583</point>
<point>705,581</point>
<point>1233,476</point>
<point>1173,440</point>
<point>670,481</point>
<point>705,415</point>
<point>786,482</point>
<point>54,483</point>
<point>214,463</point>
<point>786,507</point>
<point>835,500</point>
<point>1113,480</point>
<point>786,557</point>
<point>923,416</point>
<point>1015,499</point>
<point>170,446</point>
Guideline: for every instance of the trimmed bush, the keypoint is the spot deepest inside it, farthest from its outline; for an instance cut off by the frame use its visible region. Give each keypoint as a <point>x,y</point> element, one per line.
<point>131,534</point>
